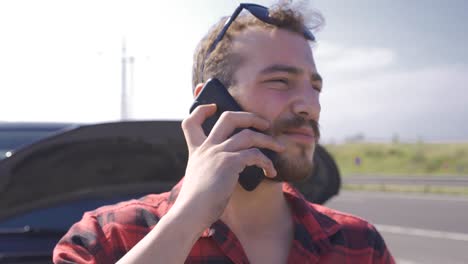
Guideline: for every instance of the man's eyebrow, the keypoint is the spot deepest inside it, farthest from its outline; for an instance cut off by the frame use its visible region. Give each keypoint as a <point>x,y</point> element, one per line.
<point>281,68</point>
<point>316,77</point>
<point>289,69</point>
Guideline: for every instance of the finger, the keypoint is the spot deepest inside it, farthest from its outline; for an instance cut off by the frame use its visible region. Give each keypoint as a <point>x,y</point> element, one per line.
<point>230,121</point>
<point>248,138</point>
<point>191,126</point>
<point>254,157</point>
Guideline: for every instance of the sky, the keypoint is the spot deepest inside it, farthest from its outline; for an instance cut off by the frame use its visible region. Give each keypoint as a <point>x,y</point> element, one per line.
<point>390,68</point>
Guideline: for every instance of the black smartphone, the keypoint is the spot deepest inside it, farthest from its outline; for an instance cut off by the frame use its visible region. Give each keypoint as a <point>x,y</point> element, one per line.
<point>214,92</point>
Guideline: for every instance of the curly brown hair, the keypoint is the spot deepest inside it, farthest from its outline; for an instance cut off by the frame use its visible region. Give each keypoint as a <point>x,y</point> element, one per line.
<point>222,62</point>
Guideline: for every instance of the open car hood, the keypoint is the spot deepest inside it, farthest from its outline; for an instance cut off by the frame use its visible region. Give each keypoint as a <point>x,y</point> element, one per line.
<point>111,158</point>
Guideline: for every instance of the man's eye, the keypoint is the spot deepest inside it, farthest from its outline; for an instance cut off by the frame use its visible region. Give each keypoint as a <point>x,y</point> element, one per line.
<point>285,81</point>
<point>317,88</point>
<point>279,84</point>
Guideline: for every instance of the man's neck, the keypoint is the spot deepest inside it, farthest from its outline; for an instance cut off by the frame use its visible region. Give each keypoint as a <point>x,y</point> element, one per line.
<point>262,212</point>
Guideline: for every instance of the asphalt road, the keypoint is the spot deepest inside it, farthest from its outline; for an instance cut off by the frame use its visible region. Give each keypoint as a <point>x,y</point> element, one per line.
<point>416,228</point>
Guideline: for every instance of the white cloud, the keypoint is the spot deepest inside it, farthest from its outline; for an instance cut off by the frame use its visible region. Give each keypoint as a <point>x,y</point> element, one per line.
<point>428,102</point>
<point>65,66</point>
<point>62,61</point>
<point>336,59</point>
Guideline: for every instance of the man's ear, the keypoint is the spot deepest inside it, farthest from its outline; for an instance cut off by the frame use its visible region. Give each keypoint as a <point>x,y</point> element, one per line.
<point>197,90</point>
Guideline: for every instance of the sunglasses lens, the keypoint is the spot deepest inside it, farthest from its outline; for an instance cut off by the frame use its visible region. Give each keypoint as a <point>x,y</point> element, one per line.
<point>308,35</point>
<point>259,12</point>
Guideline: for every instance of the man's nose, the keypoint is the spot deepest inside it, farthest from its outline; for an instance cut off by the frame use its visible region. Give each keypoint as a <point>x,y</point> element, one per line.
<point>307,103</point>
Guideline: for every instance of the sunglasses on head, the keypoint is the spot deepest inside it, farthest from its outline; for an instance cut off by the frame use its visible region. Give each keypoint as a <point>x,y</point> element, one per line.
<point>257,11</point>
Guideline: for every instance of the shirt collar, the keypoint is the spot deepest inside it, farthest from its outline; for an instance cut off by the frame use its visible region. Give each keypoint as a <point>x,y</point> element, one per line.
<point>312,228</point>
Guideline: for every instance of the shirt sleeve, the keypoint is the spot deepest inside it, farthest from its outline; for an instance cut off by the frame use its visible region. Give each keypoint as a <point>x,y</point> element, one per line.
<point>381,253</point>
<point>85,242</point>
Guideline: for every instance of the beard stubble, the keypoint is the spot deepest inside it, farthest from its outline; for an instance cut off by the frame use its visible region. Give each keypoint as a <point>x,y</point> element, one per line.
<point>297,167</point>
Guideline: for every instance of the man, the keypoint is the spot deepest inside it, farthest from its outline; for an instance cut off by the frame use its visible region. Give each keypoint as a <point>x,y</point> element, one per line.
<point>265,60</point>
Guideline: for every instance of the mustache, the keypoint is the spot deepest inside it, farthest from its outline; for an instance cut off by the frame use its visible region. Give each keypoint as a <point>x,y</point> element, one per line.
<point>296,122</point>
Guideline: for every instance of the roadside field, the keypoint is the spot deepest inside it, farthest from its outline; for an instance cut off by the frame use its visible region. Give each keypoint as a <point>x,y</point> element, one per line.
<point>415,159</point>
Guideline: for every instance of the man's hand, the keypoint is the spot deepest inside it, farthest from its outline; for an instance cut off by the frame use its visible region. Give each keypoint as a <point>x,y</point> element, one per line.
<point>215,161</point>
<point>212,172</point>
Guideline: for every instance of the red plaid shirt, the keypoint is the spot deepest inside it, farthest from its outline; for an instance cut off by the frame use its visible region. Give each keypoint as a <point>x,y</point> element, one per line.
<point>321,235</point>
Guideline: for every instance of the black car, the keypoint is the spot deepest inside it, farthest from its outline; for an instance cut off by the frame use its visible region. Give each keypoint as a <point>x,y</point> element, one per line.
<point>14,135</point>
<point>46,186</point>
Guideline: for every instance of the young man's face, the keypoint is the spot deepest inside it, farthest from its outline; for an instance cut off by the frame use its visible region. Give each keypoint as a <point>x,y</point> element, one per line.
<point>278,81</point>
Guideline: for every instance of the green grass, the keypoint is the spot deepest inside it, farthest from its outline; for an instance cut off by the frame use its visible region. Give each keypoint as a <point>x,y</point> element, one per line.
<point>401,158</point>
<point>450,190</point>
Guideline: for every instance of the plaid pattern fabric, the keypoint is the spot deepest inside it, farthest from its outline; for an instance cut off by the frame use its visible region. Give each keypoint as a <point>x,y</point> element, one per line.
<point>321,235</point>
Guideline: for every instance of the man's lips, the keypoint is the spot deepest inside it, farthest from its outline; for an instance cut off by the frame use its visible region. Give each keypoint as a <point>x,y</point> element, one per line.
<point>303,134</point>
